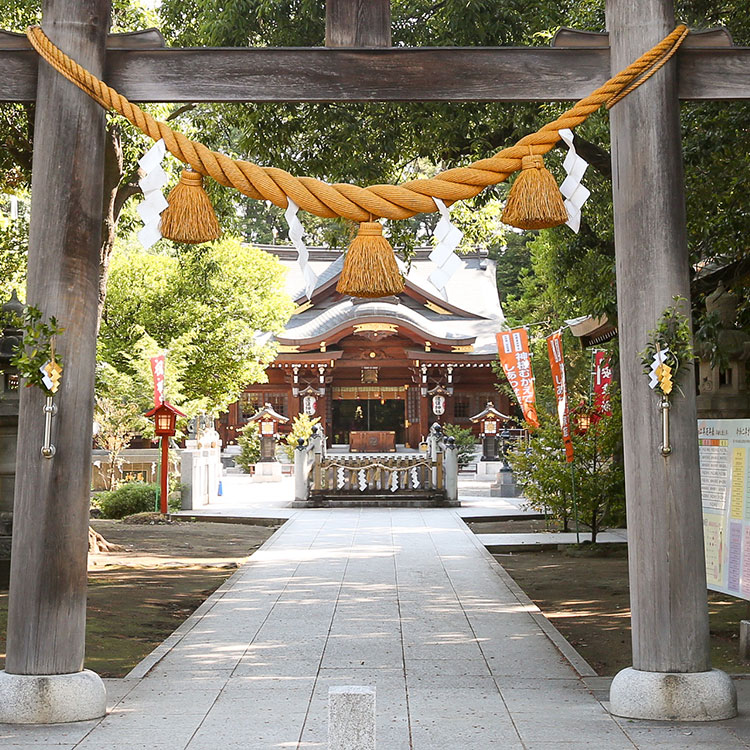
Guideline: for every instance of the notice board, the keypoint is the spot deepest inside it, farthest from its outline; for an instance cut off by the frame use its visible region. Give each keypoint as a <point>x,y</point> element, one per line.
<point>725,492</point>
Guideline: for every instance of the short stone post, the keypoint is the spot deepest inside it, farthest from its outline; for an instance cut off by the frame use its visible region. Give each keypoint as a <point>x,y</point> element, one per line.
<point>351,718</point>
<point>301,471</point>
<point>451,471</point>
<point>745,639</point>
<point>318,442</point>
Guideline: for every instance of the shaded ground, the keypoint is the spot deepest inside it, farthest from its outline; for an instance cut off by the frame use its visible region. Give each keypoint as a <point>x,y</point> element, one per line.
<point>586,598</point>
<point>137,597</point>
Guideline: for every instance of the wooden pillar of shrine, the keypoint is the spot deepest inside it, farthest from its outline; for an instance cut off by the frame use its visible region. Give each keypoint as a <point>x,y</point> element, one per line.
<point>358,23</point>
<point>670,677</point>
<point>44,680</point>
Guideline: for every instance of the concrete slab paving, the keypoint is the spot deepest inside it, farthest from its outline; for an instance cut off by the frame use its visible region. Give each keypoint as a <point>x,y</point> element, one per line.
<point>405,600</point>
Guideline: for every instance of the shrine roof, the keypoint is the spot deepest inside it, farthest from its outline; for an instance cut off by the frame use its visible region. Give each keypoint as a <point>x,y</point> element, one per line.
<point>469,310</point>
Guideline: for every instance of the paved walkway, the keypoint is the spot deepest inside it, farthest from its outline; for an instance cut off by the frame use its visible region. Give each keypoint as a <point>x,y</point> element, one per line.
<point>405,600</point>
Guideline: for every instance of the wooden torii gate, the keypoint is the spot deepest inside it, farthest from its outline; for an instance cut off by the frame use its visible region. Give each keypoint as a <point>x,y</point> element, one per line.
<point>43,680</point>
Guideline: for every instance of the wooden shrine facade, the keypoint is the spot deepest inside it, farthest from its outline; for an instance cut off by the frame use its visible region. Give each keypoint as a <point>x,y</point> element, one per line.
<point>387,365</point>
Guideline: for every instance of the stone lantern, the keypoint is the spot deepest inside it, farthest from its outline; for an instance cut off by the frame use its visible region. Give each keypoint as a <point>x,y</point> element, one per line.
<point>491,422</point>
<point>723,392</point>
<point>268,469</point>
<point>9,382</point>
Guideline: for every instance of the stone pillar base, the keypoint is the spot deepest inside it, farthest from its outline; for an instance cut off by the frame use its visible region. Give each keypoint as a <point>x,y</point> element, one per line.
<point>267,471</point>
<point>51,699</point>
<point>673,696</point>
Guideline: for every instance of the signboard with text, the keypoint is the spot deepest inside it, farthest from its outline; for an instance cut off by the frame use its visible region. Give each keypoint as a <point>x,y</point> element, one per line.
<point>725,491</point>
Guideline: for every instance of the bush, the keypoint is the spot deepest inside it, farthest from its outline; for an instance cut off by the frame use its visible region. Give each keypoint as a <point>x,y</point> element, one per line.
<point>130,498</point>
<point>302,427</point>
<point>465,443</point>
<point>541,471</point>
<point>249,442</point>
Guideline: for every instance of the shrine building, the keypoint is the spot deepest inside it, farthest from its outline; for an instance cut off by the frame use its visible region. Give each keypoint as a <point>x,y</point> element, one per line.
<point>384,369</point>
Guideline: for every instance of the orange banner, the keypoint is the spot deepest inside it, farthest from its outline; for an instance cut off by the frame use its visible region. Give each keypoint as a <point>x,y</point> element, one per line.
<point>513,349</point>
<point>557,363</point>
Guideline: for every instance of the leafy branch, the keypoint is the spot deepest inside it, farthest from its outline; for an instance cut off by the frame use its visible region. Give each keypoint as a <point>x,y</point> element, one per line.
<point>672,332</point>
<point>36,347</point>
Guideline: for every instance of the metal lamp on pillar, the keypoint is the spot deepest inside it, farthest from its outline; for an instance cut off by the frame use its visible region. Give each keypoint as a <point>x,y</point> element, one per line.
<point>165,427</point>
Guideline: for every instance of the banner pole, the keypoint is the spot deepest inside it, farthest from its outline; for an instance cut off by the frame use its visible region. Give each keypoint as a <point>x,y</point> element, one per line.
<point>575,504</point>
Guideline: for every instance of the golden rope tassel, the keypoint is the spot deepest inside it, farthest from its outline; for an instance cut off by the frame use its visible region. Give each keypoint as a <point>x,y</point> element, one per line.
<point>534,201</point>
<point>370,268</point>
<point>190,217</point>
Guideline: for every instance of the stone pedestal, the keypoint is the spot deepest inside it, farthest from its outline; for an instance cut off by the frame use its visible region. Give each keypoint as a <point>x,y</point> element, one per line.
<point>51,699</point>
<point>673,696</point>
<point>505,486</point>
<point>267,471</point>
<point>489,469</point>
<point>200,471</point>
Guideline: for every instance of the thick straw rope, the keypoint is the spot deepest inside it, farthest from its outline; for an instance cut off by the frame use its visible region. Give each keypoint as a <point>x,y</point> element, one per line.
<point>350,201</point>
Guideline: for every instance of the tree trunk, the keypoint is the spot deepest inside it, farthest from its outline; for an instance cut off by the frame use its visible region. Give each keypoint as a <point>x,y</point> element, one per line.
<point>97,543</point>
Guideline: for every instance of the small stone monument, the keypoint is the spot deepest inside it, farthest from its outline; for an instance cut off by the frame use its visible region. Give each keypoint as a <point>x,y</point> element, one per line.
<point>490,421</point>
<point>268,469</point>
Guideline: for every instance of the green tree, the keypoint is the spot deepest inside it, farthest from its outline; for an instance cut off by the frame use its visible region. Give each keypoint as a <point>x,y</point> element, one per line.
<point>597,477</point>
<point>117,423</point>
<point>248,438</point>
<point>465,443</point>
<point>204,307</point>
<point>302,428</point>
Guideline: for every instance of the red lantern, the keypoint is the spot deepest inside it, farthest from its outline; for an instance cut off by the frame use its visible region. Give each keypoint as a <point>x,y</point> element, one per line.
<point>165,426</point>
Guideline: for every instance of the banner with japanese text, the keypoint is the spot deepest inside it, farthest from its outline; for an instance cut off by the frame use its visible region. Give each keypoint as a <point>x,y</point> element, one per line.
<point>557,363</point>
<point>602,383</point>
<point>513,349</point>
<point>158,365</point>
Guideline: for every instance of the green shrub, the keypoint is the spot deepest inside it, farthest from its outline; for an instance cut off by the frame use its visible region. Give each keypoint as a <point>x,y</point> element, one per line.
<point>127,499</point>
<point>465,443</point>
<point>302,427</point>
<point>249,442</point>
<point>547,480</point>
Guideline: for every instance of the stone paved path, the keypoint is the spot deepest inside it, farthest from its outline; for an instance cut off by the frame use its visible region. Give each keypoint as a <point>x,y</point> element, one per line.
<point>406,600</point>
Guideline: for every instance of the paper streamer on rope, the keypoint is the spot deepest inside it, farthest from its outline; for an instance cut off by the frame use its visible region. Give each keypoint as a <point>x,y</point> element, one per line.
<point>296,232</point>
<point>414,477</point>
<point>362,474</point>
<point>394,481</point>
<point>659,359</point>
<point>154,202</point>
<point>340,478</point>
<point>443,256</point>
<point>574,192</point>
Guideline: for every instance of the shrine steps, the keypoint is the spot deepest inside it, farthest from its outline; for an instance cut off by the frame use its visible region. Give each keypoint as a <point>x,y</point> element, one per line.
<point>380,500</point>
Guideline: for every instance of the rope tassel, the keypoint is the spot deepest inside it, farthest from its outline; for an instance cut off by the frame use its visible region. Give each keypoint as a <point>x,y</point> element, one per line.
<point>534,201</point>
<point>190,217</point>
<point>370,268</point>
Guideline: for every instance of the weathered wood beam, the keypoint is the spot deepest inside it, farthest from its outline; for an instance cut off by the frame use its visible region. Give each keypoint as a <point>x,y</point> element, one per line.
<point>47,601</point>
<point>450,74</point>
<point>358,23</point>
<point>670,630</point>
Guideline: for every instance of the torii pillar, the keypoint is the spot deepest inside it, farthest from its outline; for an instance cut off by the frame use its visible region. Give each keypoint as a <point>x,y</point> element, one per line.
<point>44,680</point>
<point>671,676</point>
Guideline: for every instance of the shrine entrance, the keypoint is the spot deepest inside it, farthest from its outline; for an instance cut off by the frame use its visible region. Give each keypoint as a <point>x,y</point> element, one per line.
<point>671,676</point>
<point>368,415</point>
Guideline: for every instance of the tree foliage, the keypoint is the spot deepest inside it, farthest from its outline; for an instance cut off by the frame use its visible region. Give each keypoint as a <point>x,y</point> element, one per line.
<point>593,489</point>
<point>204,307</point>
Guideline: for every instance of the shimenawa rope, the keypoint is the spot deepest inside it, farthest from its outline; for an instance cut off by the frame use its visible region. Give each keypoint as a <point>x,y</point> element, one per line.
<point>350,201</point>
